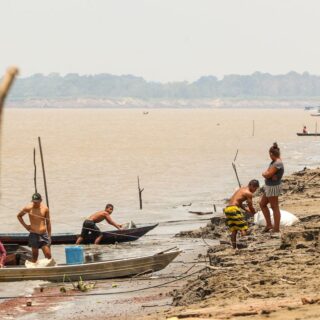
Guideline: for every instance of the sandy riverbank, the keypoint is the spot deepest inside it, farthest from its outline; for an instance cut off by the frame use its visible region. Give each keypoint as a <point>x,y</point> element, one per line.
<point>270,277</point>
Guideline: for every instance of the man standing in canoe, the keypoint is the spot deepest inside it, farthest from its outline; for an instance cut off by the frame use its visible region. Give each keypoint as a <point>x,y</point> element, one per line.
<point>39,227</point>
<point>89,225</point>
<point>235,220</point>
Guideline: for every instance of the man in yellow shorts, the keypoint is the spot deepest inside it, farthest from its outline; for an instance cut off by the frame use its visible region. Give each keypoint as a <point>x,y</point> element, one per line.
<point>235,219</point>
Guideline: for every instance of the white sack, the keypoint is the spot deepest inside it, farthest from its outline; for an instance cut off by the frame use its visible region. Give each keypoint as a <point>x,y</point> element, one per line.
<point>41,263</point>
<point>287,218</point>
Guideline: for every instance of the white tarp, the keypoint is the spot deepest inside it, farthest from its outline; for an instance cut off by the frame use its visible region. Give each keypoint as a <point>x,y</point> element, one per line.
<point>287,218</point>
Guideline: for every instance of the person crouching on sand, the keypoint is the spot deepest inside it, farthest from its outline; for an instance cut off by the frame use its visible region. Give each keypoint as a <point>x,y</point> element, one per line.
<point>235,219</point>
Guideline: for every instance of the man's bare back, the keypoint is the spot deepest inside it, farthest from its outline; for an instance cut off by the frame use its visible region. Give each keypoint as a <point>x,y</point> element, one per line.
<point>100,216</point>
<point>241,195</point>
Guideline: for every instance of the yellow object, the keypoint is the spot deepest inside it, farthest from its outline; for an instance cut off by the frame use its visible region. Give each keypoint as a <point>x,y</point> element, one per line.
<point>235,219</point>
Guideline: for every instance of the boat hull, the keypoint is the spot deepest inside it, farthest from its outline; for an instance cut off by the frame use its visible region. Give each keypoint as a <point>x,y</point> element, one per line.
<point>109,237</point>
<point>91,271</point>
<point>308,134</point>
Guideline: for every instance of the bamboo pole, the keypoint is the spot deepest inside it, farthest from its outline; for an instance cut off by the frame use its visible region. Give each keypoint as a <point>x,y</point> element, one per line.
<point>140,194</point>
<point>44,172</point>
<point>35,170</point>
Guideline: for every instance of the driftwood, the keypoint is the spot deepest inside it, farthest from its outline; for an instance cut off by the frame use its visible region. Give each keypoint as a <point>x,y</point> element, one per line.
<point>304,184</point>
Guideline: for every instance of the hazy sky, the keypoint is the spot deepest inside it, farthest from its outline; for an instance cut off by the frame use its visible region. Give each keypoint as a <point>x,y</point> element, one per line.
<point>161,40</point>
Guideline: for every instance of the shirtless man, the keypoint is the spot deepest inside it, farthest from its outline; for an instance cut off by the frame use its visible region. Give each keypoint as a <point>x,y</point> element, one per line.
<point>89,225</point>
<point>234,217</point>
<point>39,227</point>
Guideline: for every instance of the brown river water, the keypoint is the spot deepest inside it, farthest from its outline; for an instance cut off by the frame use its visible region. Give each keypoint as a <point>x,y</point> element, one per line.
<point>93,157</point>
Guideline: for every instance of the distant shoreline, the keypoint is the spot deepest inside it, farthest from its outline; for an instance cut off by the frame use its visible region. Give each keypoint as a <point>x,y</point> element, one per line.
<point>135,103</point>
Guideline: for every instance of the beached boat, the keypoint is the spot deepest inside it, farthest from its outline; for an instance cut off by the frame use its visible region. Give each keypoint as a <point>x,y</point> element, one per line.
<point>16,255</point>
<point>91,271</point>
<point>109,237</point>
<point>307,134</point>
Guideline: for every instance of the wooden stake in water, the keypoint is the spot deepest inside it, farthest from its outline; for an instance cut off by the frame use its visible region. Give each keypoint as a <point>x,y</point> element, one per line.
<point>44,172</point>
<point>140,193</point>
<point>235,157</point>
<point>236,173</point>
<point>35,170</point>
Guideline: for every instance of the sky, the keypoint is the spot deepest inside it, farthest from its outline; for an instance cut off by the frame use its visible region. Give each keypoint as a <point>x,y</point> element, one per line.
<point>160,40</point>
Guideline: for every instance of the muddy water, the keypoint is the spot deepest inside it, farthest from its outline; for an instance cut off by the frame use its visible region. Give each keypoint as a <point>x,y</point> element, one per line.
<point>94,156</point>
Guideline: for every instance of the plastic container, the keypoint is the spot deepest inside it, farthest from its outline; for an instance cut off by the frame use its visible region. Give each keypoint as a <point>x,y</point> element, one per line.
<point>74,255</point>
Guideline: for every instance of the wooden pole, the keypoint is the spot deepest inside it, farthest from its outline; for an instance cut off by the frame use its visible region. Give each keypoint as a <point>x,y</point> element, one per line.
<point>140,194</point>
<point>6,84</point>
<point>236,173</point>
<point>253,128</point>
<point>35,170</point>
<point>44,172</point>
<point>235,157</point>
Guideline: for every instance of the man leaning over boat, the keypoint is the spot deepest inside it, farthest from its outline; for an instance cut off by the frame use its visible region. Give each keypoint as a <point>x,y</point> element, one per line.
<point>89,225</point>
<point>39,227</point>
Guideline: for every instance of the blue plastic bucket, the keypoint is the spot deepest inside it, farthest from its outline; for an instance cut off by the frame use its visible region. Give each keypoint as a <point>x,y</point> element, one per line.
<point>74,255</point>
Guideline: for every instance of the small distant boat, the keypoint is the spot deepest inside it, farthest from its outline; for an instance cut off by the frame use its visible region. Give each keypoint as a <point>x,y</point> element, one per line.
<point>300,134</point>
<point>308,108</point>
<point>109,237</point>
<point>92,271</point>
<point>317,113</point>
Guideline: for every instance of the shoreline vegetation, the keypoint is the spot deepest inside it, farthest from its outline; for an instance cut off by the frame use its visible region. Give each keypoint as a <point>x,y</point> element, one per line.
<point>104,86</point>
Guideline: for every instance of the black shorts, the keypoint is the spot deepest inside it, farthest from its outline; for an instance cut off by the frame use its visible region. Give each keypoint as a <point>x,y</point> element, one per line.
<point>90,227</point>
<point>37,240</point>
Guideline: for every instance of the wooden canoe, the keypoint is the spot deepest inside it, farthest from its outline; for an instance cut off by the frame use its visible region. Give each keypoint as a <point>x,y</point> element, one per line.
<point>109,237</point>
<point>91,271</point>
<point>307,134</point>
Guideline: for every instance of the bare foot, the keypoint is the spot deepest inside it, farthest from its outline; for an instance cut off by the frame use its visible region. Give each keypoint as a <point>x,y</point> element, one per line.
<point>266,229</point>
